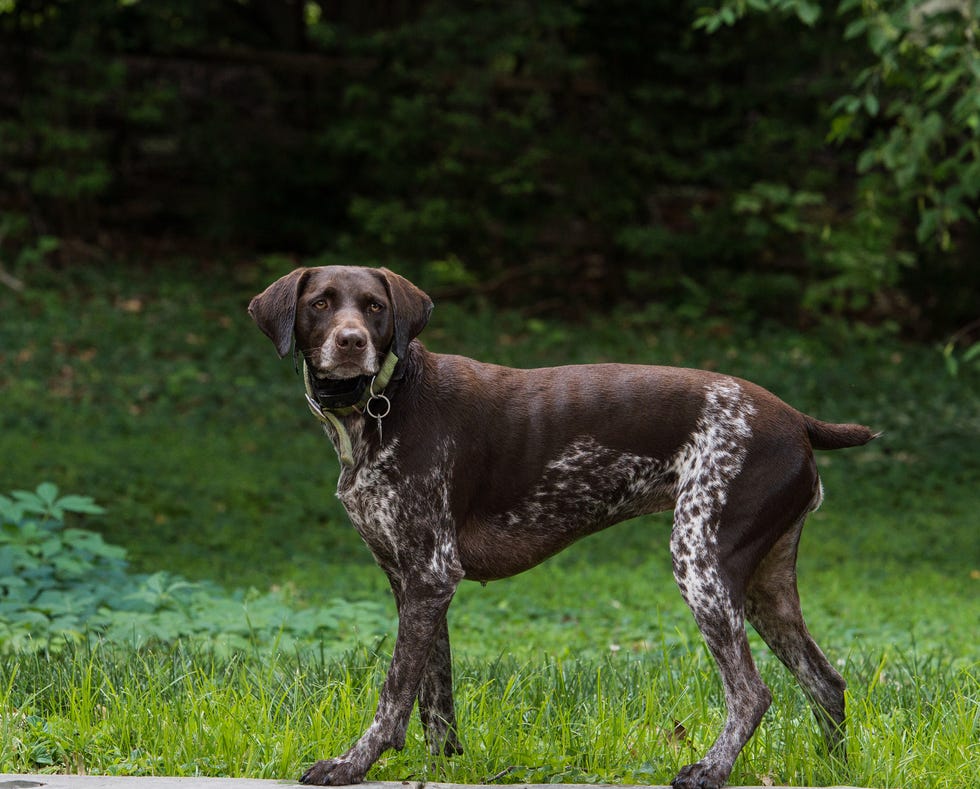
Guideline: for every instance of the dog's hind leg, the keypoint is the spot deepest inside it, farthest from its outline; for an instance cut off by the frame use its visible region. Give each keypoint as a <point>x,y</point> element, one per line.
<point>436,707</point>
<point>422,606</point>
<point>718,612</point>
<point>773,607</point>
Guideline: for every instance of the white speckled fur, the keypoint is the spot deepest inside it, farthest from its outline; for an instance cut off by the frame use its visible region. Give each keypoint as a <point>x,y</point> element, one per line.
<point>705,467</point>
<point>380,500</point>
<point>370,498</point>
<point>582,479</point>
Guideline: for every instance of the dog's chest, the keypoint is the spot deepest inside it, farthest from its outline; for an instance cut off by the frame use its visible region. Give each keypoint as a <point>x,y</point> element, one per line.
<point>397,514</point>
<point>372,493</point>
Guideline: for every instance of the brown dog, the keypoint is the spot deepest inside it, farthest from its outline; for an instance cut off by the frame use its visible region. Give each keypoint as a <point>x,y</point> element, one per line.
<point>456,469</point>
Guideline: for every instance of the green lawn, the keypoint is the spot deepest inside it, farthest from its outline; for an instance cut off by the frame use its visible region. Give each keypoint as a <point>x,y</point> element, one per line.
<point>153,393</point>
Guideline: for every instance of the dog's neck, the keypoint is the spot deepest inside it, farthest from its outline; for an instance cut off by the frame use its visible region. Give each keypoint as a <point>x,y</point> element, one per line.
<point>362,395</point>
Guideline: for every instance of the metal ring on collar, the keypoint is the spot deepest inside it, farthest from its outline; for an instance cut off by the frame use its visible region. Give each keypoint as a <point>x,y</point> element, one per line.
<point>379,398</point>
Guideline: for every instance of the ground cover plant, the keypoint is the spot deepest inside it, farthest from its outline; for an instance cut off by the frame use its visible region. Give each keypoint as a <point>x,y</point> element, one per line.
<point>269,633</point>
<point>64,585</point>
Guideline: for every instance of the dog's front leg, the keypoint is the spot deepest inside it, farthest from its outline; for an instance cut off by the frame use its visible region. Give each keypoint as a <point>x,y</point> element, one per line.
<point>421,613</point>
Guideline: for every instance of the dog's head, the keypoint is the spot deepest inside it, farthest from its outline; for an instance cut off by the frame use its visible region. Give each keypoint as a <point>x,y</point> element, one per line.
<point>345,319</point>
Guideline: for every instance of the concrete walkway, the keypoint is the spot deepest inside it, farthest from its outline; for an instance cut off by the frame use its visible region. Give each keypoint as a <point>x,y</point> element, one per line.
<point>113,782</point>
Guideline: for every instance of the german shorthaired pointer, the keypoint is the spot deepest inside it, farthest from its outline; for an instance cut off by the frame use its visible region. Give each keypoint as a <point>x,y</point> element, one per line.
<point>456,469</point>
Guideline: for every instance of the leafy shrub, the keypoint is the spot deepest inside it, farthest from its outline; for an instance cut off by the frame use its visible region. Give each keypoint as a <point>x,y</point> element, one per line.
<point>910,105</point>
<point>921,97</point>
<point>52,579</point>
<point>62,584</point>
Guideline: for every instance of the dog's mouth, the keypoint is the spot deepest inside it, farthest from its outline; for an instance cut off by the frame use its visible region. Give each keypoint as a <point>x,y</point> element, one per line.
<point>327,388</point>
<point>339,387</point>
<point>345,382</point>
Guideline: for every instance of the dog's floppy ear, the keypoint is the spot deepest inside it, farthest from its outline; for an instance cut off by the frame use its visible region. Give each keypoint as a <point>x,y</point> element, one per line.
<point>274,309</point>
<point>412,308</point>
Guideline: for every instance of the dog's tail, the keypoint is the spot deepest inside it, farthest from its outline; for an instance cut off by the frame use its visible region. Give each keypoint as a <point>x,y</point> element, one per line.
<point>825,435</point>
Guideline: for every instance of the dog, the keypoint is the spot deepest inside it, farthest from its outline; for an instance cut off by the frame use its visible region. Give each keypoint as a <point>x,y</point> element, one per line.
<point>455,469</point>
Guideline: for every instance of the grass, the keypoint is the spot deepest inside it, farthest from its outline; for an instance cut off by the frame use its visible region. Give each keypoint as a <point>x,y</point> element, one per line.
<point>913,722</point>
<point>152,392</point>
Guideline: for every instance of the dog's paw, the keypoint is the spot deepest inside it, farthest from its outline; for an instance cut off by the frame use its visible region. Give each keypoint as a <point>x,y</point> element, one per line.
<point>333,772</point>
<point>446,745</point>
<point>700,776</point>
<point>452,746</point>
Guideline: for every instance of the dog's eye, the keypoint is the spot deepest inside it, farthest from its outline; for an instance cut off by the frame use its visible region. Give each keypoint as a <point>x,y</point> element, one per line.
<point>320,304</point>
<point>375,307</point>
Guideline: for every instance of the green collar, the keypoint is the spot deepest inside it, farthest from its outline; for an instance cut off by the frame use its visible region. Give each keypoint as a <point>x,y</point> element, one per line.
<point>373,403</point>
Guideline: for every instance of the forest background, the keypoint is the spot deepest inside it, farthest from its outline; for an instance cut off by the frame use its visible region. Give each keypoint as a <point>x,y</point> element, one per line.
<point>783,190</point>
<point>776,159</point>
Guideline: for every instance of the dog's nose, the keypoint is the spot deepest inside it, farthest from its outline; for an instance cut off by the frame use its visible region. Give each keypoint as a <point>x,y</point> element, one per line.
<point>351,338</point>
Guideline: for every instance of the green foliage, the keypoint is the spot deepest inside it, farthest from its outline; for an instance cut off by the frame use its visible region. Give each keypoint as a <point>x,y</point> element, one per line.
<point>60,585</point>
<point>728,12</point>
<point>609,144</point>
<point>913,106</point>
<point>54,146</point>
<point>52,579</point>
<point>959,358</point>
<point>852,262</point>
<point>20,248</point>
<point>921,96</point>
<point>546,133</point>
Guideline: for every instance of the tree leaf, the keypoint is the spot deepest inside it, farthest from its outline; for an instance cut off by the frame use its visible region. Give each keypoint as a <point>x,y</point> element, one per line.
<point>47,492</point>
<point>82,504</point>
<point>808,13</point>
